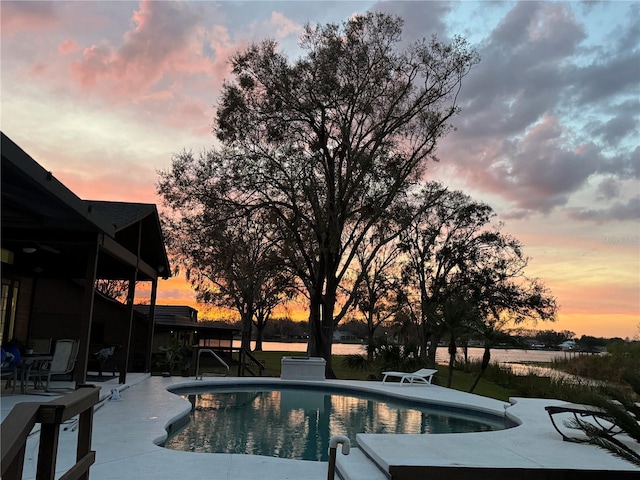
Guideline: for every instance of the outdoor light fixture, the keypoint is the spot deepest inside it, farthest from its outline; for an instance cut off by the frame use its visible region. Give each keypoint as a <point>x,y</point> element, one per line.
<point>29,249</point>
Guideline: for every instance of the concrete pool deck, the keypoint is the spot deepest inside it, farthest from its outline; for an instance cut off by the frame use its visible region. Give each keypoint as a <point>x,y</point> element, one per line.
<point>125,434</point>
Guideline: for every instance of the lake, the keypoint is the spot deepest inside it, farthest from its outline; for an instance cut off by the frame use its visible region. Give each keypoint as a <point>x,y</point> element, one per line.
<point>499,355</point>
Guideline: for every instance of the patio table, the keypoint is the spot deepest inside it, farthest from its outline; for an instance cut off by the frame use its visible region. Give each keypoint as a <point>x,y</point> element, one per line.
<point>27,363</point>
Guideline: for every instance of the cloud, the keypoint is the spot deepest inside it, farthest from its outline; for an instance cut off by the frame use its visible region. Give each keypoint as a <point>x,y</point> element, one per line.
<point>619,211</point>
<point>608,188</point>
<point>284,26</point>
<point>520,76</point>
<point>623,123</point>
<point>607,77</point>
<point>160,45</point>
<point>18,17</point>
<point>516,137</point>
<point>537,171</point>
<point>421,19</point>
<point>68,47</point>
<point>172,61</point>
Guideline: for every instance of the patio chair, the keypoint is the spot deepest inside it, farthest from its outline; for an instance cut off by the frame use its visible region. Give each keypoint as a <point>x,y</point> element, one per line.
<point>10,372</point>
<point>41,345</point>
<point>424,375</point>
<point>594,415</point>
<point>63,362</point>
<point>105,359</point>
<point>8,367</point>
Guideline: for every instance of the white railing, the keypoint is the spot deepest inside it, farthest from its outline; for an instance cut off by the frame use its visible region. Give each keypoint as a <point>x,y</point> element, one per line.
<point>333,446</point>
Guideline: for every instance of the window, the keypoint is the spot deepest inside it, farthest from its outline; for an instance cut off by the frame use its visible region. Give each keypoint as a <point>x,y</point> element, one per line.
<point>9,301</point>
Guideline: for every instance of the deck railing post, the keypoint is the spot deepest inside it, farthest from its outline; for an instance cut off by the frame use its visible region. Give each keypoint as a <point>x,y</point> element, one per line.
<point>85,429</point>
<point>20,421</point>
<point>48,451</point>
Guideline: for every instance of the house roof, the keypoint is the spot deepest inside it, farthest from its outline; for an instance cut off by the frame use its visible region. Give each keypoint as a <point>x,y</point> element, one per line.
<point>48,230</point>
<point>172,315</point>
<point>183,317</point>
<point>122,214</point>
<point>126,218</point>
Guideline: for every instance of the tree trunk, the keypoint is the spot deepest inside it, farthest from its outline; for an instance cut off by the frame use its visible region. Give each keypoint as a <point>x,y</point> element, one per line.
<point>424,336</point>
<point>321,333</point>
<point>314,345</point>
<point>452,359</point>
<point>247,325</point>
<point>327,337</point>
<point>486,358</point>
<point>370,346</point>
<point>434,339</point>
<point>259,337</point>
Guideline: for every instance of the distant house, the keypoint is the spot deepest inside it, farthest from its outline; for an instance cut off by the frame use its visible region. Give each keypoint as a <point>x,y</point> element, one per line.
<point>340,336</point>
<point>172,321</point>
<point>54,248</point>
<point>181,322</point>
<point>568,345</point>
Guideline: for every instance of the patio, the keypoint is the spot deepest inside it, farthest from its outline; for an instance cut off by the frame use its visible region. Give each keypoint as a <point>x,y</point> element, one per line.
<point>125,434</point>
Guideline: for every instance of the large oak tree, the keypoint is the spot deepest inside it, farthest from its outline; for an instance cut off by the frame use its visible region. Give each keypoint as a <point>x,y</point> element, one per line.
<point>330,143</point>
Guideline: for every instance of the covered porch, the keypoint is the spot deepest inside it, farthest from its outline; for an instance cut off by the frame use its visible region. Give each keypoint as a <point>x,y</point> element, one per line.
<point>56,246</point>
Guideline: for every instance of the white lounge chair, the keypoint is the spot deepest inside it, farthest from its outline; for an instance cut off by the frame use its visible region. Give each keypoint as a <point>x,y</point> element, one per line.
<point>424,375</point>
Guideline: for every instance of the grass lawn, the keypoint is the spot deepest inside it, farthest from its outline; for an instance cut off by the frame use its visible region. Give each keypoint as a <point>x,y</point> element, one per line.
<point>461,380</point>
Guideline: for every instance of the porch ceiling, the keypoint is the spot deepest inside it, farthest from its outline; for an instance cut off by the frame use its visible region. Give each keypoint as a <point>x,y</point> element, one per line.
<point>49,231</point>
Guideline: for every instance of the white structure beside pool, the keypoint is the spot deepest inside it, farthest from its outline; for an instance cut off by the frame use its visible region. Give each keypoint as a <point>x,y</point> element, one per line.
<point>303,368</point>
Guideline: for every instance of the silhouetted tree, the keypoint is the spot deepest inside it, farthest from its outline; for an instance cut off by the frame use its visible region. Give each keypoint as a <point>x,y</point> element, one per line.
<point>441,246</point>
<point>231,258</point>
<point>330,143</point>
<point>459,319</point>
<point>115,289</point>
<point>375,294</point>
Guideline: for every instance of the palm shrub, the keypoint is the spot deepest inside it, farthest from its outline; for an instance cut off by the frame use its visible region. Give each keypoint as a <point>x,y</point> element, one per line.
<point>623,408</point>
<point>174,354</point>
<point>387,355</point>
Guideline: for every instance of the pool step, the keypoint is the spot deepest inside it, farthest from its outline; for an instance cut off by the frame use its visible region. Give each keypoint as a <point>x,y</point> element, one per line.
<point>357,466</point>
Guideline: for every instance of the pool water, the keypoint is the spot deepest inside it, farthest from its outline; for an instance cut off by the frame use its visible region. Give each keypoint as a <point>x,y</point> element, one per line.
<point>297,423</point>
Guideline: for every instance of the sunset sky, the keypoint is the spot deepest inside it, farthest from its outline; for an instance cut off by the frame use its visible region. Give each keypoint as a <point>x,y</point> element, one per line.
<point>104,93</point>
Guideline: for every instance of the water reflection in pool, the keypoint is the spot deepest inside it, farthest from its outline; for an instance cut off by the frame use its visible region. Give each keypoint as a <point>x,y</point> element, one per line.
<point>298,423</point>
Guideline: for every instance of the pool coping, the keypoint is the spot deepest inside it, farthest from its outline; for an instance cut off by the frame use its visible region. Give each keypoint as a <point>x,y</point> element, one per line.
<point>126,435</point>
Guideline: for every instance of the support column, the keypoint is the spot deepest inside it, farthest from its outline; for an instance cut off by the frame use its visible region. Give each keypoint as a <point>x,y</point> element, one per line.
<point>124,366</point>
<point>86,315</point>
<point>131,297</point>
<point>152,324</point>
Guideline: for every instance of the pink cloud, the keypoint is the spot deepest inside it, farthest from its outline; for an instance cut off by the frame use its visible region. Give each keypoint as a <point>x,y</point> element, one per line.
<point>168,63</point>
<point>537,170</point>
<point>18,17</point>
<point>283,25</point>
<point>39,70</point>
<point>164,46</point>
<point>130,184</point>
<point>68,47</point>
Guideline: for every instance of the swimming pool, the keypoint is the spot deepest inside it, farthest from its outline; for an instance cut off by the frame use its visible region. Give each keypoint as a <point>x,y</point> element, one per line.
<point>297,422</point>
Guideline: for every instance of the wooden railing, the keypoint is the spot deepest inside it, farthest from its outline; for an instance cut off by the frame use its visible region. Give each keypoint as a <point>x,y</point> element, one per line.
<point>22,418</point>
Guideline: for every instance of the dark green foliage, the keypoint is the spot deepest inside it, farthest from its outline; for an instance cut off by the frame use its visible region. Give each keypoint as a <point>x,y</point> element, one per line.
<point>623,407</point>
<point>387,356</point>
<point>621,356</point>
<point>174,355</point>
